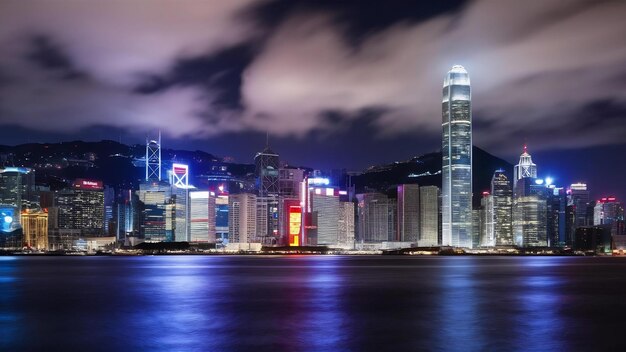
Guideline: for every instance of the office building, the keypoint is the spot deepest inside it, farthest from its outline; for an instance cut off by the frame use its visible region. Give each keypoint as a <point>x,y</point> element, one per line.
<point>457,159</point>
<point>487,221</point>
<point>242,210</point>
<point>17,185</point>
<point>82,207</point>
<point>502,195</point>
<point>35,229</point>
<point>408,213</point>
<point>430,204</point>
<point>525,168</point>
<point>376,218</point>
<point>156,223</point>
<point>202,216</point>
<point>221,217</point>
<point>530,221</point>
<point>607,210</point>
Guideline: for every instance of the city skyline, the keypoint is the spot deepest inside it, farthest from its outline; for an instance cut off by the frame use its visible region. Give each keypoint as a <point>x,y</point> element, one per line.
<point>128,86</point>
<point>250,175</point>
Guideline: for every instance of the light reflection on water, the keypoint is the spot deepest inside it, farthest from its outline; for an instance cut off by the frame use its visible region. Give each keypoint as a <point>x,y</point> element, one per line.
<point>310,303</point>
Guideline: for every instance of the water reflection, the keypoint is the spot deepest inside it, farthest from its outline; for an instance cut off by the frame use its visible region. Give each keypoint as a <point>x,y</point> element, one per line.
<point>310,303</point>
<point>179,305</point>
<point>539,324</point>
<point>459,322</point>
<point>9,317</point>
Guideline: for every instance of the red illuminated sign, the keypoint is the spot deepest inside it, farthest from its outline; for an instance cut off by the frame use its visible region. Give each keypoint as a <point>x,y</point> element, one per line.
<point>87,184</point>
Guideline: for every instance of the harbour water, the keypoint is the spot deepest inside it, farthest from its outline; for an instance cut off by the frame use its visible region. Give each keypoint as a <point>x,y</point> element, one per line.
<point>312,303</point>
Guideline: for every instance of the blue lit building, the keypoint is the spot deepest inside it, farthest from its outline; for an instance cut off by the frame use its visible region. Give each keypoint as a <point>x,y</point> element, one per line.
<point>457,159</point>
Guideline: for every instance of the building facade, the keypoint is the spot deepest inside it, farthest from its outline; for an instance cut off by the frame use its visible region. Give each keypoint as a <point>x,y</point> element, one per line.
<point>457,159</point>
<point>502,206</point>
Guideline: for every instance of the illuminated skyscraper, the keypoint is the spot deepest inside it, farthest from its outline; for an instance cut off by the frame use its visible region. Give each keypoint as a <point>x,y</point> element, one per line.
<point>607,210</point>
<point>266,172</point>
<point>502,205</point>
<point>457,159</point>
<point>408,213</point>
<point>267,163</point>
<point>429,216</point>
<point>242,218</point>
<point>82,207</point>
<point>525,168</point>
<point>16,187</point>
<point>153,159</point>
<point>202,216</point>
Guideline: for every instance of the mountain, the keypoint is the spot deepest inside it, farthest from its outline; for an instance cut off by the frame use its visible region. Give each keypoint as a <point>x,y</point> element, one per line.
<point>114,163</point>
<point>425,170</point>
<point>120,165</point>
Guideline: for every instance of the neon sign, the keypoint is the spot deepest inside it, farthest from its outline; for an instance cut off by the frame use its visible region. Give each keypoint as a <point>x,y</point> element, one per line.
<point>295,225</point>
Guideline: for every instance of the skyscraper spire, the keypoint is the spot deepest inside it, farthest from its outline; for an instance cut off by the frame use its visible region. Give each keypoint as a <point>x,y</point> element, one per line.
<point>525,167</point>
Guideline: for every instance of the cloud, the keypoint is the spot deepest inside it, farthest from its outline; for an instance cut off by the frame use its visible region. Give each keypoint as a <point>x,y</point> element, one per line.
<point>531,64</point>
<point>68,65</point>
<point>536,69</point>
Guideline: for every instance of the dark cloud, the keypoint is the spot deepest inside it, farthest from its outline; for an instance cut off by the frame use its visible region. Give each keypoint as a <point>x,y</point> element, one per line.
<point>49,55</point>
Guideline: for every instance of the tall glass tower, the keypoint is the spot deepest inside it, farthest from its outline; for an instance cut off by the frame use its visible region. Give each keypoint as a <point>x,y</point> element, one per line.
<point>457,159</point>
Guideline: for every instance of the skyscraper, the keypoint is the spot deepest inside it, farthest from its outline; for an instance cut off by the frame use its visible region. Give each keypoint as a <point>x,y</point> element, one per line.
<point>429,216</point>
<point>266,171</point>
<point>502,205</point>
<point>266,164</point>
<point>408,213</point>
<point>202,216</point>
<point>376,217</point>
<point>525,168</point>
<point>82,207</point>
<point>242,218</point>
<point>17,187</point>
<point>487,220</point>
<point>457,159</point>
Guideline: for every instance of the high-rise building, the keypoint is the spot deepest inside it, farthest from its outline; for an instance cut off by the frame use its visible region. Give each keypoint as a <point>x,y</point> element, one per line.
<point>607,210</point>
<point>17,186</point>
<point>477,226</point>
<point>153,160</point>
<point>578,196</point>
<point>487,220</point>
<point>221,217</point>
<point>325,208</point>
<point>290,210</point>
<point>180,201</point>
<point>157,212</point>
<point>408,213</point>
<point>126,215</point>
<point>530,221</point>
<point>457,159</point>
<point>266,168</point>
<point>202,216</point>
<point>376,217</point>
<point>35,229</point>
<point>266,172</point>
<point>556,217</point>
<point>345,222</point>
<point>82,207</point>
<point>242,211</point>
<point>525,168</point>
<point>502,207</point>
<point>429,216</point>
<point>289,180</point>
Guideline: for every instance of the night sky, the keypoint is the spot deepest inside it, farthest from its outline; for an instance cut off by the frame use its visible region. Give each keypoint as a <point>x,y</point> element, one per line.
<point>334,83</point>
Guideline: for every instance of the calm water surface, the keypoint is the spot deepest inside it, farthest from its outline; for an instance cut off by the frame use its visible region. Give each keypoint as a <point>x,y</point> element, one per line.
<point>311,303</point>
